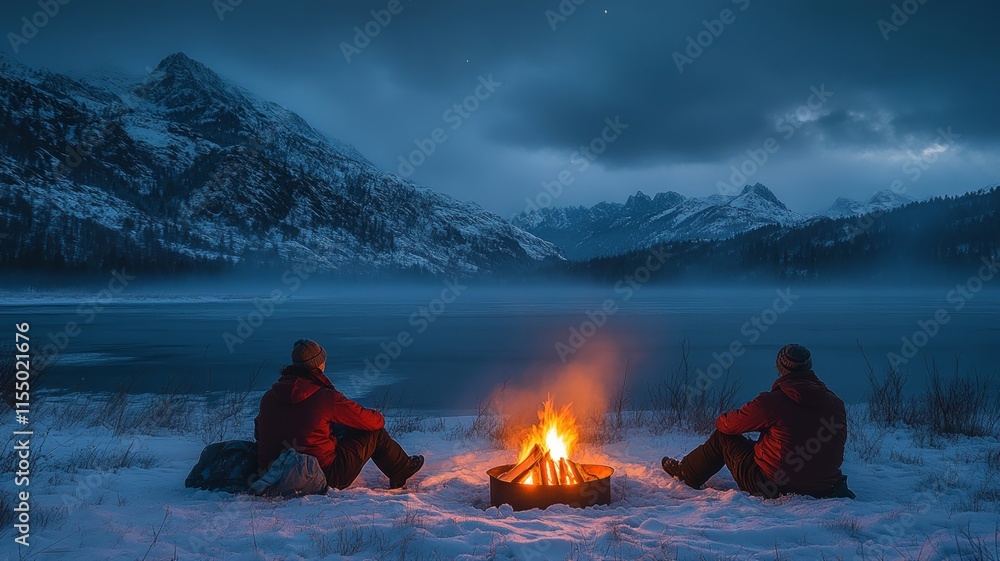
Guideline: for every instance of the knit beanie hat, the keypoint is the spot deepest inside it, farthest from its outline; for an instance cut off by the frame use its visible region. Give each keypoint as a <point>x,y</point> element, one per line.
<point>793,358</point>
<point>308,353</point>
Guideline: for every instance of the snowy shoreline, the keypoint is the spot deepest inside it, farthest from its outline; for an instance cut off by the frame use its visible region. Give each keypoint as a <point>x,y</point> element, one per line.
<point>104,490</point>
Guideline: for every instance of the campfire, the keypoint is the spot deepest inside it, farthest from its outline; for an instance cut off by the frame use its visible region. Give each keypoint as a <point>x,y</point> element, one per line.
<point>545,452</point>
<point>544,473</point>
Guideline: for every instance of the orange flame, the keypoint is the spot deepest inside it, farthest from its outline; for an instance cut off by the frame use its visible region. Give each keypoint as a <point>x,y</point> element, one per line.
<point>554,433</point>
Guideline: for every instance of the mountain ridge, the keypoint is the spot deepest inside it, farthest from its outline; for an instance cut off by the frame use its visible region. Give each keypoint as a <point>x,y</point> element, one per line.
<point>610,228</point>
<point>936,239</point>
<point>181,168</point>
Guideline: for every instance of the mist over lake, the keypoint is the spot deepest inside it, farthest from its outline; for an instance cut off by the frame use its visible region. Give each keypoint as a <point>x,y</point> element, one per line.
<point>446,348</point>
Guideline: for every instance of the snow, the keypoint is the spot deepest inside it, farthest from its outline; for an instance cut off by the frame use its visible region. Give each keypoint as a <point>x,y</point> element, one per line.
<point>917,507</point>
<point>883,201</point>
<point>168,121</point>
<point>613,228</point>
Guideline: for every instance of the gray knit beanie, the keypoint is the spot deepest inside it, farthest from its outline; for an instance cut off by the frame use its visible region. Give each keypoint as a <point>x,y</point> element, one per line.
<point>793,358</point>
<point>308,353</point>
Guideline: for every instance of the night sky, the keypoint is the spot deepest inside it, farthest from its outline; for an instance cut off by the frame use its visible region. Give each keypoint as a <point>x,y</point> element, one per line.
<point>843,98</point>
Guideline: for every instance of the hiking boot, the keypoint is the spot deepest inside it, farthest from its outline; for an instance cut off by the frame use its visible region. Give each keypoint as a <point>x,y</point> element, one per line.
<point>841,490</point>
<point>412,467</point>
<point>674,469</point>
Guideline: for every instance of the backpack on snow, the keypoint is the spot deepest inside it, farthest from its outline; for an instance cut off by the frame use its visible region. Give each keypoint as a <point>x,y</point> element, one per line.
<point>228,466</point>
<point>291,475</point>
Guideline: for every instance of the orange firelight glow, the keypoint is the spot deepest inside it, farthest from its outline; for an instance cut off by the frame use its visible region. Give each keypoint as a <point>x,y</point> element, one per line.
<point>555,433</point>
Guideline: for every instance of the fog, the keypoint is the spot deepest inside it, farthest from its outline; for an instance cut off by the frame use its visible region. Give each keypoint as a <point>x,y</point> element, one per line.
<point>449,345</point>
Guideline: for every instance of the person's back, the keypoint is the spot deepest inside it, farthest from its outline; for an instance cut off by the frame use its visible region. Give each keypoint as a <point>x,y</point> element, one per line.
<point>299,412</point>
<point>303,411</point>
<point>803,430</point>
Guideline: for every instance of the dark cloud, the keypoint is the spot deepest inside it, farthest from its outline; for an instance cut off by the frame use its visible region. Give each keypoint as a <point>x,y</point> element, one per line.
<point>606,59</point>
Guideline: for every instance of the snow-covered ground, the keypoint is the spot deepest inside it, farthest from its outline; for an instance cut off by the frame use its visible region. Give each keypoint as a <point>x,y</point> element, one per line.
<point>917,499</point>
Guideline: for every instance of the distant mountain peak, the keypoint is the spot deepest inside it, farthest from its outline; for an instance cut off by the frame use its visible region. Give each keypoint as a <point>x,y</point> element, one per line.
<point>638,200</point>
<point>882,200</point>
<point>180,62</point>
<point>761,191</point>
<point>193,94</point>
<point>667,200</point>
<point>886,195</point>
<point>179,70</point>
<point>611,228</point>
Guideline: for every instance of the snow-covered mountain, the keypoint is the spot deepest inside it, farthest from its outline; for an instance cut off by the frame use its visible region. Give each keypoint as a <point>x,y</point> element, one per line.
<point>182,166</point>
<point>612,228</point>
<point>604,228</point>
<point>881,201</point>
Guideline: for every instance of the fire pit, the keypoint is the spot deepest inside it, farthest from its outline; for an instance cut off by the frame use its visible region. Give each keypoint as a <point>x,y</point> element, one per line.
<point>544,475</point>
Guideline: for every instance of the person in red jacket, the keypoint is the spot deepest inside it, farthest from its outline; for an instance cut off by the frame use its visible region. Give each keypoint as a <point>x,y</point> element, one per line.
<point>803,430</point>
<point>302,410</point>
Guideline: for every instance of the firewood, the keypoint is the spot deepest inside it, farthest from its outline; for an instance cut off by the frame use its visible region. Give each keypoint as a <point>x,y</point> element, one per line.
<point>565,473</point>
<point>538,474</point>
<point>549,466</point>
<point>534,456</point>
<point>533,475</point>
<point>575,470</point>
<point>523,478</point>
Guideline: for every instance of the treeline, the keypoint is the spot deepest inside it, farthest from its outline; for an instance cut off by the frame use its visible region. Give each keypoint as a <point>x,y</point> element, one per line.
<point>936,236</point>
<point>41,242</point>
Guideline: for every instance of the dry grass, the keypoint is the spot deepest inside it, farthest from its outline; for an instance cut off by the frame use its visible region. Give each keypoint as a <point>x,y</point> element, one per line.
<point>226,415</point>
<point>957,404</point>
<point>900,457</point>
<point>678,401</point>
<point>491,423</point>
<point>887,406</point>
<point>403,420</point>
<point>355,535</point>
<point>866,440</point>
<point>978,548</point>
<point>849,525</point>
<point>109,457</point>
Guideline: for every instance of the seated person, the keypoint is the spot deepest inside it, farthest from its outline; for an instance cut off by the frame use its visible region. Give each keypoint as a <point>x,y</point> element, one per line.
<point>302,410</point>
<point>803,430</point>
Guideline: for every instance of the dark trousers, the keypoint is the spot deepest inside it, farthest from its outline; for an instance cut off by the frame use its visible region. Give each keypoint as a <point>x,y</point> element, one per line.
<point>356,447</point>
<point>732,451</point>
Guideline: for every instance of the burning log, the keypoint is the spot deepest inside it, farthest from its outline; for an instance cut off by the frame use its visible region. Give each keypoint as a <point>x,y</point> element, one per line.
<point>575,470</point>
<point>538,468</point>
<point>549,472</point>
<point>549,440</point>
<point>546,475</point>
<point>523,467</point>
<point>565,476</point>
<point>536,474</point>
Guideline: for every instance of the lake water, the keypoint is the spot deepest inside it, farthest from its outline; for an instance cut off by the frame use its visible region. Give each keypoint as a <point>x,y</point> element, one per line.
<point>453,351</point>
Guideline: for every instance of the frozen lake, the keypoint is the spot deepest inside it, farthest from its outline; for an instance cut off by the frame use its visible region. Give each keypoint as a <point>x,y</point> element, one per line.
<point>452,354</point>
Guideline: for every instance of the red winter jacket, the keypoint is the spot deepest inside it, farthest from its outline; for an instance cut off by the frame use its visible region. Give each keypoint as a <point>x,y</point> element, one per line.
<point>297,412</point>
<point>803,429</point>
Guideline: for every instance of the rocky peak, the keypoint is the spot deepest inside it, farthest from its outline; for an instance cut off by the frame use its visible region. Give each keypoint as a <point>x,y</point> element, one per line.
<point>638,201</point>
<point>759,190</point>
